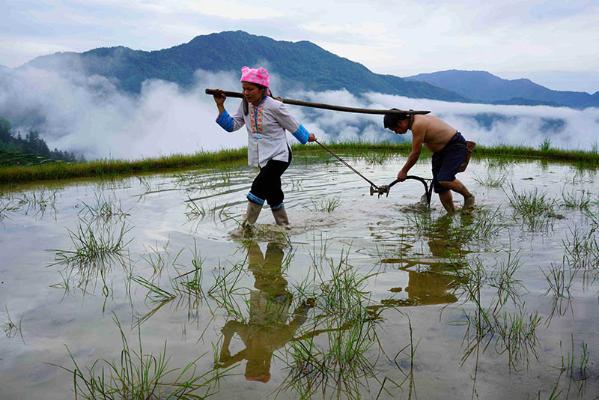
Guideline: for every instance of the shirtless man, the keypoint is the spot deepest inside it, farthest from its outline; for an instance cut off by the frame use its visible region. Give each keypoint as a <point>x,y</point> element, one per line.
<point>449,151</point>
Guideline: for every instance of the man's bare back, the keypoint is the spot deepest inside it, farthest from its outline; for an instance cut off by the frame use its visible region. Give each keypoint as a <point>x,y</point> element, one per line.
<point>435,132</point>
<point>436,135</point>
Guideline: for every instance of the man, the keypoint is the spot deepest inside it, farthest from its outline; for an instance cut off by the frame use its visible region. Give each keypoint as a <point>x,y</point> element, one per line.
<point>449,153</point>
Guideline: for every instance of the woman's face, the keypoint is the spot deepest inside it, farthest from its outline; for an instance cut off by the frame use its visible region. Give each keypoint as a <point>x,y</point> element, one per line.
<point>252,93</point>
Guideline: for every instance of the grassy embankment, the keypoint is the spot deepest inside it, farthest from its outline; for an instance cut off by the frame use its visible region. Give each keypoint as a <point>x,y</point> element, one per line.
<point>235,158</point>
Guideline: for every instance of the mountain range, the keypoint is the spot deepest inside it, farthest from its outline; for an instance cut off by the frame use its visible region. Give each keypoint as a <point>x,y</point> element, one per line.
<point>301,64</point>
<point>484,87</point>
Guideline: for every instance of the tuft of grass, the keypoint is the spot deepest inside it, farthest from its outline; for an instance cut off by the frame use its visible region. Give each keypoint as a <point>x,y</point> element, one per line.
<point>533,207</point>
<point>492,180</point>
<point>513,333</point>
<point>137,375</point>
<point>579,199</point>
<point>576,367</point>
<point>195,211</point>
<point>103,209</point>
<point>10,328</point>
<point>326,205</point>
<point>581,249</point>
<point>377,157</point>
<point>94,245</point>
<point>546,145</point>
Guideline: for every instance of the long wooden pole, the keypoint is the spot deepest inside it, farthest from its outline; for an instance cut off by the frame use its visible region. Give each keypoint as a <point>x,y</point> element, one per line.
<point>323,106</point>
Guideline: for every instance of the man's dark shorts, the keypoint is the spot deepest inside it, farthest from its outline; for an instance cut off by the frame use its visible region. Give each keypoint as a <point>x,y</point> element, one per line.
<point>447,161</point>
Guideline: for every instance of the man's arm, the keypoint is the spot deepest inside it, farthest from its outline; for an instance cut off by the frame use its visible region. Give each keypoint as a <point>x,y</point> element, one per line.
<point>417,140</point>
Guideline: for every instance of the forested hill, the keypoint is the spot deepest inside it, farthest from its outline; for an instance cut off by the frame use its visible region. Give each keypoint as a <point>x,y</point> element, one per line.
<point>298,63</point>
<point>27,150</point>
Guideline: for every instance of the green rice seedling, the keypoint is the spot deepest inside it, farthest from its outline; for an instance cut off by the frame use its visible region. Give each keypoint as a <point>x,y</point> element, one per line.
<point>337,365</point>
<point>419,222</point>
<point>529,203</point>
<point>377,158</point>
<point>159,258</point>
<point>10,328</point>
<point>225,178</point>
<point>94,245</point>
<point>492,180</point>
<point>512,333</point>
<point>226,291</point>
<point>581,249</point>
<point>533,207</point>
<point>36,202</point>
<point>156,296</point>
<point>224,213</point>
<point>188,286</point>
<point>155,293</point>
<point>559,280</point>
<point>297,185</point>
<point>500,164</point>
<point>145,184</point>
<point>7,206</point>
<point>325,205</point>
<point>192,280</point>
<point>517,336</point>
<point>337,368</point>
<point>482,225</point>
<point>195,211</point>
<point>504,281</point>
<point>138,375</point>
<point>579,199</point>
<point>102,210</point>
<point>546,145</point>
<point>575,366</point>
<point>410,348</point>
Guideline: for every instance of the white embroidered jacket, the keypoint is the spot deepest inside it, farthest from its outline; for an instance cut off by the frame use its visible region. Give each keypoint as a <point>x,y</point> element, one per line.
<point>266,124</point>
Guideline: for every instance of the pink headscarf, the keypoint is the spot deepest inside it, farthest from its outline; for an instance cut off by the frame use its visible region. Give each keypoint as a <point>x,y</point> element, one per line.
<point>255,75</point>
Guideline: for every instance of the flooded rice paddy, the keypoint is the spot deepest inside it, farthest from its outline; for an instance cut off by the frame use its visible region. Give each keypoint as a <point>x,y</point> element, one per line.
<point>133,288</point>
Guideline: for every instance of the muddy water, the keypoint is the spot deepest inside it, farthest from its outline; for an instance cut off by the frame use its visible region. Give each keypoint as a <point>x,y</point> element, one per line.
<point>363,297</point>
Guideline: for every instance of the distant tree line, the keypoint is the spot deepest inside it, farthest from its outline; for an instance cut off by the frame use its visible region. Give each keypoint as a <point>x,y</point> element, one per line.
<point>32,144</point>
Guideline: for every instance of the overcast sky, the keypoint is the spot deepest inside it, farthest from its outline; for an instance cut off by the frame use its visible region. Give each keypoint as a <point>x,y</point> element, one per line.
<point>554,43</point>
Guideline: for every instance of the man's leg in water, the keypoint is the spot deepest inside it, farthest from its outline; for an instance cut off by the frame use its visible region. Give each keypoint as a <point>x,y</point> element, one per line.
<point>458,187</point>
<point>447,201</point>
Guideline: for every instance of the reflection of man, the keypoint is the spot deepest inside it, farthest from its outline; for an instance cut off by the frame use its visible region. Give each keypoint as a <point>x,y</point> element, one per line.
<point>267,329</point>
<point>435,284</point>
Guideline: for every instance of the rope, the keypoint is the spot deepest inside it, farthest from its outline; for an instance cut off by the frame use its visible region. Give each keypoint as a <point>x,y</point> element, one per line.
<point>349,166</point>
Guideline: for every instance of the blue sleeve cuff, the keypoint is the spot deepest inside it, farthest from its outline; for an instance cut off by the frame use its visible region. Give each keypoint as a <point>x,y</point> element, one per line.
<point>301,134</point>
<point>255,199</point>
<point>225,121</point>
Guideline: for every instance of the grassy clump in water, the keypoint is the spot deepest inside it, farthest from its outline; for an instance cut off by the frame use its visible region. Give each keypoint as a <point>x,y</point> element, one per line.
<point>94,245</point>
<point>337,365</point>
<point>138,375</point>
<point>325,205</point>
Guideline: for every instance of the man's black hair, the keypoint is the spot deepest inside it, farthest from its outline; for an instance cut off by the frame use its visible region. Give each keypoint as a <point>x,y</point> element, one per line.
<point>390,120</point>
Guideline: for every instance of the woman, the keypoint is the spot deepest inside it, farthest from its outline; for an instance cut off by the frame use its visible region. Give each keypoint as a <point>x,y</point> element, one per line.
<point>266,120</point>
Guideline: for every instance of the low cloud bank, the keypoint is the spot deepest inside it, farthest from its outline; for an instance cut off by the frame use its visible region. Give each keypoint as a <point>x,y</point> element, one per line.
<point>90,116</point>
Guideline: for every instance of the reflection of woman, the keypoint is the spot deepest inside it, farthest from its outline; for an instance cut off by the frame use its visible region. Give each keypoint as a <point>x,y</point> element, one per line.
<point>266,120</point>
<point>267,329</point>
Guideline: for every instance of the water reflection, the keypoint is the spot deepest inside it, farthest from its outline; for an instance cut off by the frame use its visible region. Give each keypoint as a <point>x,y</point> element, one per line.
<point>433,280</point>
<point>267,329</point>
